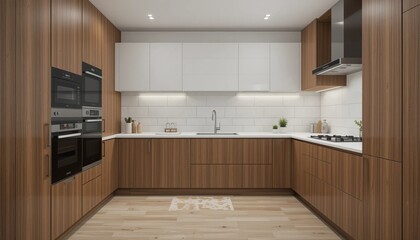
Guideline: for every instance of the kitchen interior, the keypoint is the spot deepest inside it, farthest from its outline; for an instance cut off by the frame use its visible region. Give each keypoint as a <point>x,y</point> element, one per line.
<point>157,119</point>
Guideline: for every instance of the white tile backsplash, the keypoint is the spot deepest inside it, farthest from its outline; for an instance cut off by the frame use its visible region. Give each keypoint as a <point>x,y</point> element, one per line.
<point>340,107</point>
<point>249,113</point>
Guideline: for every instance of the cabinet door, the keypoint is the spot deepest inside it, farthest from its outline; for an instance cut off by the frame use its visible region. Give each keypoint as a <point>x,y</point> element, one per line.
<point>91,194</point>
<point>285,67</point>
<point>171,163</point>
<point>66,204</point>
<point>66,35</point>
<point>216,176</point>
<point>166,66</point>
<point>132,66</point>
<point>257,151</point>
<point>210,67</point>
<point>282,163</point>
<point>92,35</point>
<point>257,176</point>
<point>254,66</point>
<point>216,151</point>
<point>109,167</point>
<point>411,128</point>
<point>407,4</point>
<point>135,165</point>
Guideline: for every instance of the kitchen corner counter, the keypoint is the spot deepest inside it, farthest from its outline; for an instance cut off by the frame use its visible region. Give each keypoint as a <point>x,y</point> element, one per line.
<point>355,147</point>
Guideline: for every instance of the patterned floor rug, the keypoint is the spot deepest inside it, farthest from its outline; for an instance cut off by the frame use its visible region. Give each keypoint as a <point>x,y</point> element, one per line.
<point>199,203</point>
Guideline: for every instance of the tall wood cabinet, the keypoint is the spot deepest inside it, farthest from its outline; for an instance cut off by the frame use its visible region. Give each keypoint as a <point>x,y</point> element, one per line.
<point>24,89</point>
<point>92,34</point>
<point>67,35</point>
<point>109,167</point>
<point>316,51</point>
<point>411,129</point>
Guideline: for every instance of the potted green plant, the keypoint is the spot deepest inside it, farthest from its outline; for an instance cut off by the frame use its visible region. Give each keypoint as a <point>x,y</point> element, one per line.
<point>128,125</point>
<point>283,124</point>
<point>359,123</point>
<point>275,129</point>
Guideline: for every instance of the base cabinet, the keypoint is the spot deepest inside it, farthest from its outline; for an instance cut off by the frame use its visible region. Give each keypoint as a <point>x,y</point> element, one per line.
<point>92,194</point>
<point>109,167</point>
<point>66,206</point>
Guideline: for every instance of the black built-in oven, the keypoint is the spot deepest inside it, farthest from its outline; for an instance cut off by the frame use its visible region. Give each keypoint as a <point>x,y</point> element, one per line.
<point>65,89</point>
<point>92,136</point>
<point>92,86</point>
<point>66,148</point>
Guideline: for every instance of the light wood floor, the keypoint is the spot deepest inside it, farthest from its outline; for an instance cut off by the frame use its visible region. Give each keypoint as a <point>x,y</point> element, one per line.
<point>262,218</point>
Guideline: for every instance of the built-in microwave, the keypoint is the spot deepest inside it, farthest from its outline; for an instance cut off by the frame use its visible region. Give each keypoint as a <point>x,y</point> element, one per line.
<point>92,86</point>
<point>65,89</point>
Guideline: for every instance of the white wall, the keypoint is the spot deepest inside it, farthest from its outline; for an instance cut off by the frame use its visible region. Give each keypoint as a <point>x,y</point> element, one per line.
<point>340,107</point>
<point>247,113</point>
<point>210,36</point>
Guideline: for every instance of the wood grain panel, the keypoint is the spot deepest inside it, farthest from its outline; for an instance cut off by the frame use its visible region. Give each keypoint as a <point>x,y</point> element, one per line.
<point>7,121</point>
<point>300,151</point>
<point>382,82</point>
<point>411,129</point>
<point>92,34</point>
<point>67,35</point>
<point>171,163</point>
<point>110,168</point>
<point>315,38</point>
<point>91,173</point>
<point>257,176</point>
<point>216,151</point>
<point>135,163</point>
<point>32,106</point>
<point>382,199</point>
<point>408,4</point>
<point>257,151</point>
<point>116,99</point>
<point>91,194</point>
<point>216,176</point>
<point>282,163</point>
<point>66,205</point>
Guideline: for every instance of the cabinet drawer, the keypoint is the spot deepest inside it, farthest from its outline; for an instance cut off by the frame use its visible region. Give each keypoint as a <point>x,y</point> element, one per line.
<point>91,173</point>
<point>216,151</point>
<point>216,176</point>
<point>91,194</point>
<point>257,151</point>
<point>257,176</point>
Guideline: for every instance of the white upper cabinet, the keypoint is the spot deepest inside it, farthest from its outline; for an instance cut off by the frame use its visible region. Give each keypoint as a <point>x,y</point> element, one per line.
<point>254,66</point>
<point>210,66</point>
<point>166,66</point>
<point>132,67</point>
<point>285,67</point>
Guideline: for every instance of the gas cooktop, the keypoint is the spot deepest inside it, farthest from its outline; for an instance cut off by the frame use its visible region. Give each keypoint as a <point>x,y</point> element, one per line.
<point>337,138</point>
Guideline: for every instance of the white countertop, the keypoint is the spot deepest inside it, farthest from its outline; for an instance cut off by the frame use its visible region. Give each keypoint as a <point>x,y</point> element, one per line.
<point>355,147</point>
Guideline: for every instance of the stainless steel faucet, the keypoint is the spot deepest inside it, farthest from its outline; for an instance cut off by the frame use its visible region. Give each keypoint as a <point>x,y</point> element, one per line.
<point>214,117</point>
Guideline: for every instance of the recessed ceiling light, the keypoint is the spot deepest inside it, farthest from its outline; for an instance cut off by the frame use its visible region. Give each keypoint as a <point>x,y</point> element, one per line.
<point>267,16</point>
<point>150,15</point>
<point>151,18</point>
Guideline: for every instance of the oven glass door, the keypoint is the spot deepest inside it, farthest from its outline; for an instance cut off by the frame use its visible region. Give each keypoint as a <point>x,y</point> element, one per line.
<point>92,141</point>
<point>65,94</point>
<point>66,155</point>
<point>92,91</point>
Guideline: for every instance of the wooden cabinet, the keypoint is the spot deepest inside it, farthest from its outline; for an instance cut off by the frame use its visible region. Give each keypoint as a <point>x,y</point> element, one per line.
<point>282,163</point>
<point>171,163</point>
<point>91,194</point>
<point>66,205</point>
<point>66,35</point>
<point>408,4</point>
<point>216,151</point>
<point>331,181</point>
<point>91,173</point>
<point>382,199</point>
<point>257,176</point>
<point>216,176</point>
<point>382,81</point>
<point>135,163</point>
<point>411,129</point>
<point>166,66</point>
<point>254,66</point>
<point>316,50</point>
<point>132,67</point>
<point>92,35</point>
<point>109,167</point>
<point>285,67</point>
<point>111,100</point>
<point>256,151</point>
<point>210,66</point>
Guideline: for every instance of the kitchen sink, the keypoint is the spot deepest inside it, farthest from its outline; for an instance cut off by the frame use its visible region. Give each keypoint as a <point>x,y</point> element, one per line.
<point>215,134</point>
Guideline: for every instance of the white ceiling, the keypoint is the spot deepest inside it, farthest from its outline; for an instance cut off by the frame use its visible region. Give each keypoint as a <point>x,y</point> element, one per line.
<point>212,15</point>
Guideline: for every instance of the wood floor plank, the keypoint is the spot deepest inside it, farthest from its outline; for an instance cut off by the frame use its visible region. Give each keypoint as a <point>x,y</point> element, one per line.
<point>254,217</point>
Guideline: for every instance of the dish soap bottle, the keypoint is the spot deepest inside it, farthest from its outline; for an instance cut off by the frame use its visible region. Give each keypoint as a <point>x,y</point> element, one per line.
<point>325,128</point>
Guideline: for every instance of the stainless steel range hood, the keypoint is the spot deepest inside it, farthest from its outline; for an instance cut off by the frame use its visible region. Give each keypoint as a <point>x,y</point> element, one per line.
<point>346,39</point>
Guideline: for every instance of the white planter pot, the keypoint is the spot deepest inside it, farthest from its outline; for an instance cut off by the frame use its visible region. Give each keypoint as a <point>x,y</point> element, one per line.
<point>282,129</point>
<point>128,127</point>
<point>275,131</point>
